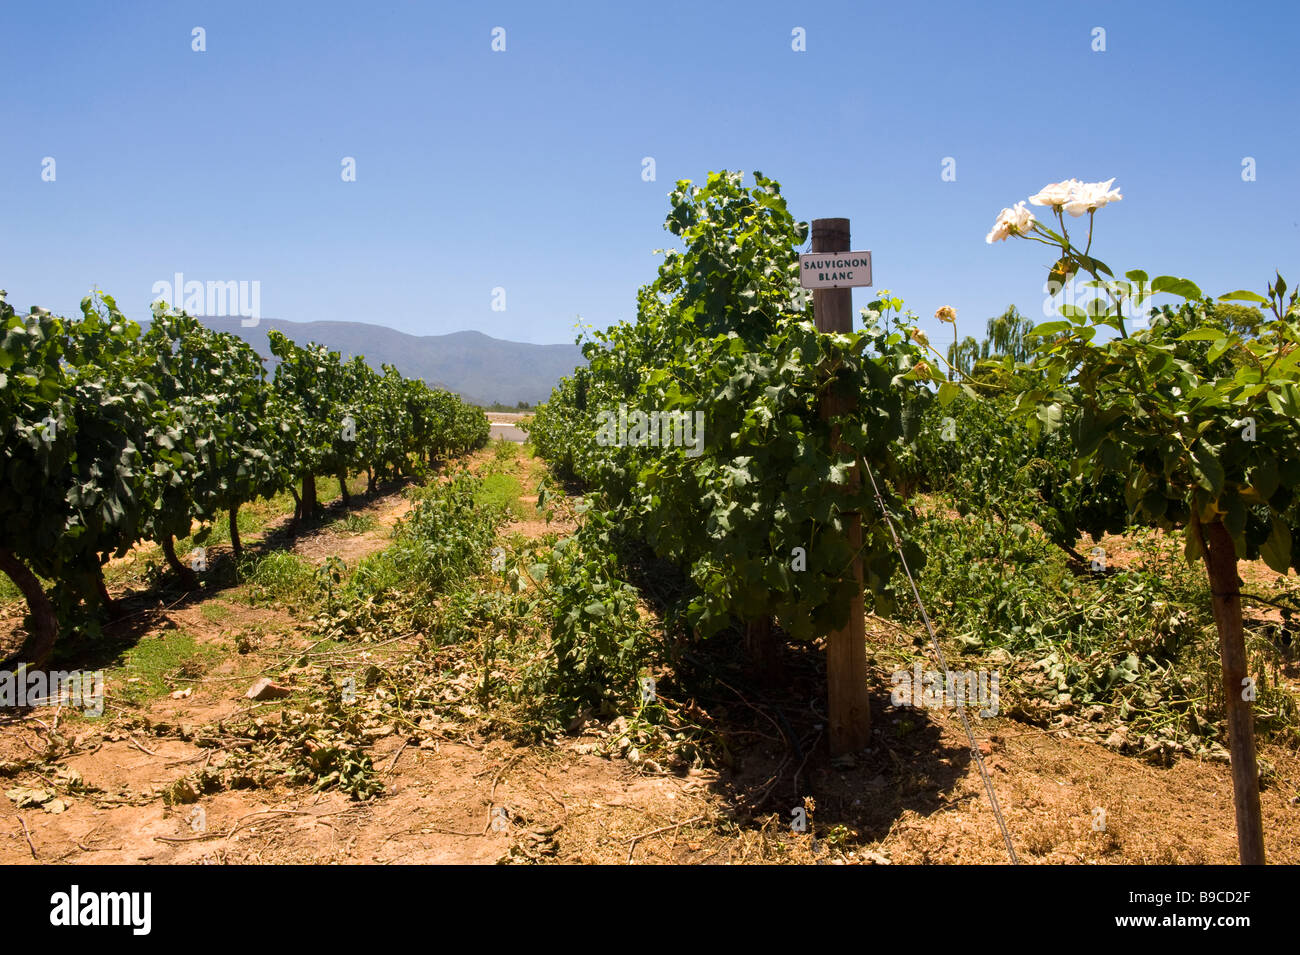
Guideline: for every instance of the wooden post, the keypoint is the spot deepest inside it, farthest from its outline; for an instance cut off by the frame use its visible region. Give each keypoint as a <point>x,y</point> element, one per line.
<point>1225,594</point>
<point>848,701</point>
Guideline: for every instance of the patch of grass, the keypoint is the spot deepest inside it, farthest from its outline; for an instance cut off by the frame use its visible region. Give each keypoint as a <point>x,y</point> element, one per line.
<point>158,665</point>
<point>216,611</point>
<point>511,474</point>
<point>284,577</point>
<point>355,524</point>
<point>503,490</point>
<point>377,573</point>
<point>8,591</point>
<point>144,566</point>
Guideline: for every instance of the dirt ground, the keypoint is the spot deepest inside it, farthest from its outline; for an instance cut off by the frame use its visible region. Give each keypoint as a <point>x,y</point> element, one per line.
<point>454,794</point>
<point>472,800</point>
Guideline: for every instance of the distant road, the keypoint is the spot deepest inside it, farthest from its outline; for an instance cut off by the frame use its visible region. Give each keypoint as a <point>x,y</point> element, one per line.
<point>503,427</point>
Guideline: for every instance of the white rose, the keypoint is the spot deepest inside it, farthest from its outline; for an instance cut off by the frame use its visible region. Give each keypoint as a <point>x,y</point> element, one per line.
<point>1021,218</point>
<point>1001,228</point>
<point>1014,221</point>
<point>1090,196</point>
<point>1056,193</point>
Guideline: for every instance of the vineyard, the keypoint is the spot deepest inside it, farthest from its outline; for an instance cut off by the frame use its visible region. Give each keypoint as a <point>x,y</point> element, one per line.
<point>1037,438</point>
<point>609,644</point>
<point>119,436</point>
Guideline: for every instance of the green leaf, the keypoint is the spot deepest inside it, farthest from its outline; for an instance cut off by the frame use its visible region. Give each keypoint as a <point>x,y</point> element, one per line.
<point>1184,288</point>
<point>1098,265</point>
<point>1050,416</point>
<point>1051,328</point>
<point>1059,240</point>
<point>1136,275</point>
<point>1061,272</point>
<point>1207,468</point>
<point>1219,347</point>
<point>948,392</point>
<point>1243,295</point>
<point>1264,478</point>
<point>1154,504</point>
<point>1276,551</point>
<point>1091,430</point>
<point>1205,333</point>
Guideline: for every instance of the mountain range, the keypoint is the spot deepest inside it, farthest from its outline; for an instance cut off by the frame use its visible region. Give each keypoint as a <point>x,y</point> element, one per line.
<point>478,367</point>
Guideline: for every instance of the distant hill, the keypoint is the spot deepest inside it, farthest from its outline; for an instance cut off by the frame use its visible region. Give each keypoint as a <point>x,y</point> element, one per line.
<point>479,368</point>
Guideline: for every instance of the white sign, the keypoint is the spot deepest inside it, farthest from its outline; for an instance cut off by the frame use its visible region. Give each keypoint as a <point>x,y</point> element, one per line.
<point>834,269</point>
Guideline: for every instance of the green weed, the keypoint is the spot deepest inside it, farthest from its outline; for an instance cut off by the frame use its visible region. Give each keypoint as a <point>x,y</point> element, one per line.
<point>156,666</point>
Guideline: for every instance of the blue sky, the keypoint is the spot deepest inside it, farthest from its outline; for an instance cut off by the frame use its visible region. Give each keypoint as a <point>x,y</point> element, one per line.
<point>523,169</point>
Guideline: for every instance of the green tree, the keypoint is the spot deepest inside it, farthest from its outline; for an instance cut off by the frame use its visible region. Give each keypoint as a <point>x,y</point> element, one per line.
<point>1005,336</point>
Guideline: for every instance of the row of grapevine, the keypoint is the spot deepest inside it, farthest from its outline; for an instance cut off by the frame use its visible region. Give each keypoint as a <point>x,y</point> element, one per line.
<point>753,506</point>
<point>118,435</point>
